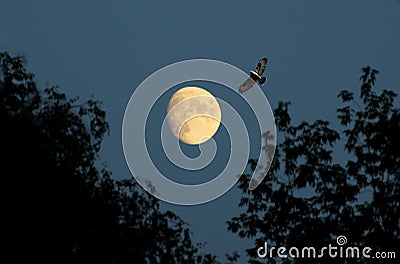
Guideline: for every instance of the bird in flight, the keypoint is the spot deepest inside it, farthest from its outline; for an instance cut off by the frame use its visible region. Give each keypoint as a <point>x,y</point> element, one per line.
<point>255,76</point>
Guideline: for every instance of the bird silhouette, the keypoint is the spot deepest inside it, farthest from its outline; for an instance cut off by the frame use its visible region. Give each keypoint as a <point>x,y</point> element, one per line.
<point>255,76</point>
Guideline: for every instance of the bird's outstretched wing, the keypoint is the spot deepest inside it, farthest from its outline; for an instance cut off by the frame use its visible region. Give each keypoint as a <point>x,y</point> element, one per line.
<point>246,85</point>
<point>261,66</point>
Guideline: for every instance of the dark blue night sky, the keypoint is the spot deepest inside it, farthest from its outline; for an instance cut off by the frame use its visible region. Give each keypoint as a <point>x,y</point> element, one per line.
<point>106,49</point>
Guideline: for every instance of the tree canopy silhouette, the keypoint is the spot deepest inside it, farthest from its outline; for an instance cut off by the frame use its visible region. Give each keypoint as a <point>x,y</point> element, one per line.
<point>58,204</point>
<point>310,196</point>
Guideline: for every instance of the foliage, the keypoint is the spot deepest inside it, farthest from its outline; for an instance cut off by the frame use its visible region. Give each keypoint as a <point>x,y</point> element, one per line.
<point>308,199</point>
<point>58,205</point>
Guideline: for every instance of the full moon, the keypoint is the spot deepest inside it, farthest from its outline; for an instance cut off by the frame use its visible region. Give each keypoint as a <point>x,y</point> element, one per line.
<point>193,115</point>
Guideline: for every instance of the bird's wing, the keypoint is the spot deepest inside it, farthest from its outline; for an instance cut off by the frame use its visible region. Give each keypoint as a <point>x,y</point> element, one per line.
<point>246,85</point>
<point>261,66</point>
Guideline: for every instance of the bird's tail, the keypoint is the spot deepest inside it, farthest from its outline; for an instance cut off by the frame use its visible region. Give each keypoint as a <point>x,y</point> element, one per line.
<point>262,80</point>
